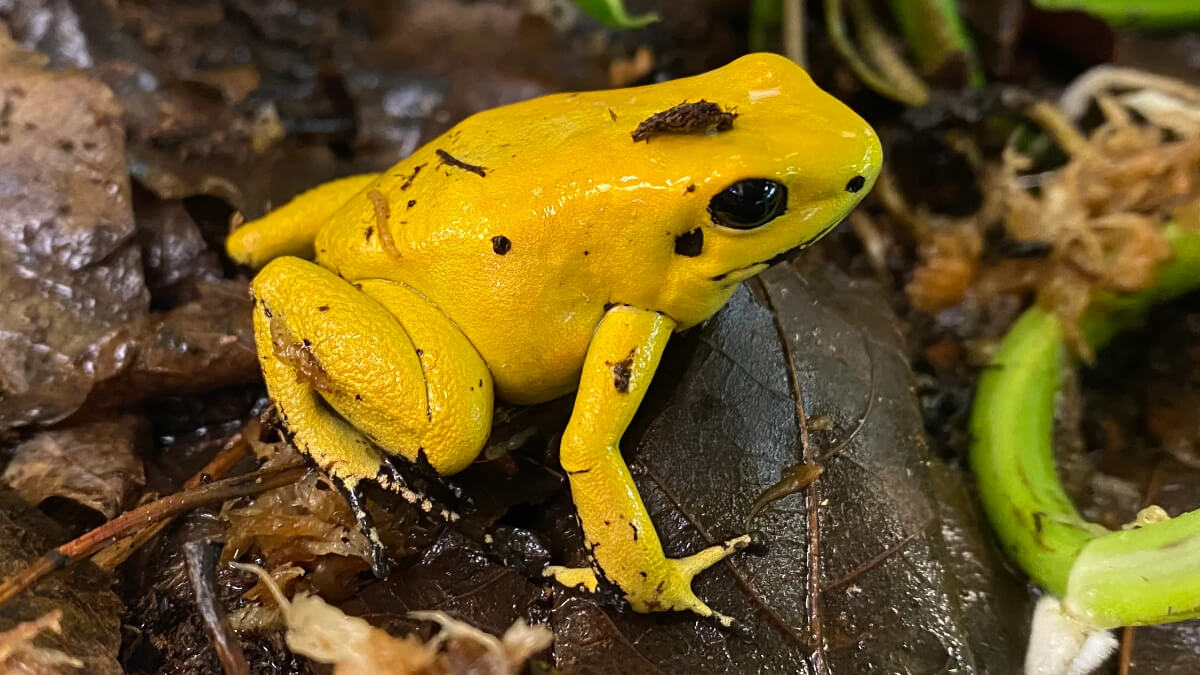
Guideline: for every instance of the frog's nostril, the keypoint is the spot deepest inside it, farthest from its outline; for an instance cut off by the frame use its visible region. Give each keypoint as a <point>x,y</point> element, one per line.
<point>856,184</point>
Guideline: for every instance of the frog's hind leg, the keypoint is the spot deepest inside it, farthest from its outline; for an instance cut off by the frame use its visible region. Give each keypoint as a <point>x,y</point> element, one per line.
<point>349,381</point>
<point>292,228</point>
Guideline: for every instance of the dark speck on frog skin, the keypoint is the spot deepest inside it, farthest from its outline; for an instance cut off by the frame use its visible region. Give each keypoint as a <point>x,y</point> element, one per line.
<point>690,244</point>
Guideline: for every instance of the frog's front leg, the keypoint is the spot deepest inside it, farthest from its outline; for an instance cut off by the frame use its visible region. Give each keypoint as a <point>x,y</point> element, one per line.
<point>621,360</point>
<point>291,229</point>
<point>354,369</point>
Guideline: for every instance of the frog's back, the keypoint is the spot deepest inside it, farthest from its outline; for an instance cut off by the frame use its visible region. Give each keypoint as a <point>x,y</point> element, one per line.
<point>507,233</point>
<point>523,223</point>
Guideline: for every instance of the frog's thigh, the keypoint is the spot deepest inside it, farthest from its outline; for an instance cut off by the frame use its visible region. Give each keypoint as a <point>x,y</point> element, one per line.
<point>458,384</point>
<point>323,345</point>
<point>292,228</point>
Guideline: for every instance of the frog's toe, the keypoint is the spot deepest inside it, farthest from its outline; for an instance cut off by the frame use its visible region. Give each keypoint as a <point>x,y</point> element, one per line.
<point>698,562</point>
<point>758,544</point>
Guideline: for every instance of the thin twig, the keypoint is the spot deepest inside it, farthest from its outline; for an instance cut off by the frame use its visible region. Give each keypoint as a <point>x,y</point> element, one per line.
<point>901,83</point>
<point>230,454</point>
<point>1126,657</point>
<point>200,558</point>
<point>89,543</point>
<point>873,562</point>
<point>866,414</point>
<point>1052,120</point>
<point>1075,98</point>
<point>873,242</point>
<point>812,497</point>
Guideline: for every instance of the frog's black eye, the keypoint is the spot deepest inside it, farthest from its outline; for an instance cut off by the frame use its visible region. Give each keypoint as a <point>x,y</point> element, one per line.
<point>748,204</point>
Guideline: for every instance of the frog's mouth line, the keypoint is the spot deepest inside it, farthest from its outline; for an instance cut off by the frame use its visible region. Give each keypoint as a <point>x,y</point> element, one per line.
<point>770,261</point>
<point>779,257</point>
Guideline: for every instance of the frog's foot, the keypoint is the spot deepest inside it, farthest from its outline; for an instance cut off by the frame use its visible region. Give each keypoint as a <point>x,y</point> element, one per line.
<point>392,479</point>
<point>376,551</point>
<point>667,588</point>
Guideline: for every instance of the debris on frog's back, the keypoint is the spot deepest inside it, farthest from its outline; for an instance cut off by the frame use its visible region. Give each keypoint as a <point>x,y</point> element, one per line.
<point>685,118</point>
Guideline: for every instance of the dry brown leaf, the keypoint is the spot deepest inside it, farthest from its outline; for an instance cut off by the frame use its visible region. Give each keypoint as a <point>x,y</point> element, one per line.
<point>18,654</point>
<point>325,634</point>
<point>297,523</point>
<point>96,465</point>
<point>948,266</point>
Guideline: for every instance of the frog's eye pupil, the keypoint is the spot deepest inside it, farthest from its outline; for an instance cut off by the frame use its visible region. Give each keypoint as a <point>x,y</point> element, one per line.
<point>748,204</point>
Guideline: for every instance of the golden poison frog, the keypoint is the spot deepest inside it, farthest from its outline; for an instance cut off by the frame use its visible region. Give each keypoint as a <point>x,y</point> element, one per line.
<point>533,250</point>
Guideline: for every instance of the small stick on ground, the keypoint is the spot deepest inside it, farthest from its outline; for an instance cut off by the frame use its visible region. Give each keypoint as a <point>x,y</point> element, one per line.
<point>201,558</point>
<point>234,450</point>
<point>144,516</point>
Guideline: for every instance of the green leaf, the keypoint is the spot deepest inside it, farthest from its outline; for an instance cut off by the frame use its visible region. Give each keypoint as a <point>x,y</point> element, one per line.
<point>613,13</point>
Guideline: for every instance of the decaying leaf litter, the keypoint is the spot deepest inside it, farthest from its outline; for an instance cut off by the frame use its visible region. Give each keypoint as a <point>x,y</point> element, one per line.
<point>882,549</point>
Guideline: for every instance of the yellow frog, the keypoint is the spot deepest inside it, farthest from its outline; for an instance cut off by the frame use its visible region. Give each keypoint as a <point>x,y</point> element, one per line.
<point>535,249</point>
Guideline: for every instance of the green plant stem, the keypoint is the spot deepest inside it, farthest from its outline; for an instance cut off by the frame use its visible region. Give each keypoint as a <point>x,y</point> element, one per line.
<point>1133,13</point>
<point>935,34</point>
<point>881,68</point>
<point>765,19</point>
<point>1012,424</point>
<point>613,13</point>
<point>1012,457</point>
<point>1139,577</point>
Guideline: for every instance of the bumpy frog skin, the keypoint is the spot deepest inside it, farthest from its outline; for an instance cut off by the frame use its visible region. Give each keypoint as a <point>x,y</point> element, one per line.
<point>533,250</point>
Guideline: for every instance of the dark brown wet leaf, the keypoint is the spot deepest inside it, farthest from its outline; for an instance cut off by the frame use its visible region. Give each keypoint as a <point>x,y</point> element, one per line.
<point>174,252</point>
<point>69,270</point>
<point>452,576</point>
<point>205,344</point>
<point>889,552</point>
<point>91,612</point>
<point>96,465</point>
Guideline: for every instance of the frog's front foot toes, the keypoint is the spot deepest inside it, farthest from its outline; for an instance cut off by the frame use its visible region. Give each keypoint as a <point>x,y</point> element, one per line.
<point>675,592</point>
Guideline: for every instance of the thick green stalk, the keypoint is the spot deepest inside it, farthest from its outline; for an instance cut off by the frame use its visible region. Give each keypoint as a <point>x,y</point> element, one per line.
<point>765,17</point>
<point>1139,577</point>
<point>1012,425</point>
<point>1103,575</point>
<point>1133,13</point>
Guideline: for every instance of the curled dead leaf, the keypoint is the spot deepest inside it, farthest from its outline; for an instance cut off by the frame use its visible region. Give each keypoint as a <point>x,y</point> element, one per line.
<point>325,634</point>
<point>96,465</point>
<point>18,653</point>
<point>296,523</point>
